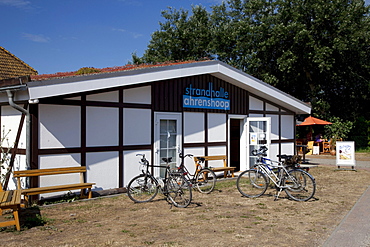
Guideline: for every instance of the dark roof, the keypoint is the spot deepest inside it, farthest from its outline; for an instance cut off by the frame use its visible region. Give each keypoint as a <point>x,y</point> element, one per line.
<point>12,67</point>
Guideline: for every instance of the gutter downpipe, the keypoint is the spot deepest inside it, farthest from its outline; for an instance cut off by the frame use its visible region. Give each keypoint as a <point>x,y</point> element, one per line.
<point>28,126</point>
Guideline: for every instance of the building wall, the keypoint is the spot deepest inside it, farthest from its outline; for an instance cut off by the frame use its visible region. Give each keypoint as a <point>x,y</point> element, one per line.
<point>104,130</point>
<point>9,127</point>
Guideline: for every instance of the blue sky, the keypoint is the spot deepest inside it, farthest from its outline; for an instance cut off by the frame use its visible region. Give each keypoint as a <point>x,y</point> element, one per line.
<point>65,35</point>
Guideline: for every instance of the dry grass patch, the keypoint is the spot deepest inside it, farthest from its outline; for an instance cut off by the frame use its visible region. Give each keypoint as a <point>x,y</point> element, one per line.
<point>221,218</point>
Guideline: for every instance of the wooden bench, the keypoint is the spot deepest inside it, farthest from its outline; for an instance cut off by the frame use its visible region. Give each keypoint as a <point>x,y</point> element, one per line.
<point>10,200</point>
<point>226,169</point>
<point>49,189</point>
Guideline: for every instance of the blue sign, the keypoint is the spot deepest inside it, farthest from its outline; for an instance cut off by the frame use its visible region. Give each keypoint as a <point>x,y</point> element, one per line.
<point>206,98</point>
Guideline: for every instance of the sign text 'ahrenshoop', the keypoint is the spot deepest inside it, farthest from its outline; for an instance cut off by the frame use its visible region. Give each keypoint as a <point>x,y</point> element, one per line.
<point>206,98</point>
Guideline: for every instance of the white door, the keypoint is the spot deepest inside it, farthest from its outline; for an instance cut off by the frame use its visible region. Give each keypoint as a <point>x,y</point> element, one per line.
<point>258,131</point>
<point>167,135</point>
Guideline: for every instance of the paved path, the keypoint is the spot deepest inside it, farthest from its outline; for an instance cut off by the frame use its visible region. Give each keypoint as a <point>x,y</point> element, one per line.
<point>361,163</point>
<point>354,229</point>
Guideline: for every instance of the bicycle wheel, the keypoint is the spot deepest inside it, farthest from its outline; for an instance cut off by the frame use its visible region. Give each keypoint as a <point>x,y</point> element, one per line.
<point>300,185</point>
<point>252,183</point>
<point>205,181</point>
<point>179,191</point>
<point>142,188</point>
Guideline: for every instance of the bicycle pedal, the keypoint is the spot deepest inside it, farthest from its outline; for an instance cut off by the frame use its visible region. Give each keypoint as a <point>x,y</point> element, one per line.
<point>278,194</point>
<point>276,197</point>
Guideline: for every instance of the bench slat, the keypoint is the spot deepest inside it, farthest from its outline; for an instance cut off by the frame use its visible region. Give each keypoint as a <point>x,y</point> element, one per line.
<point>223,168</point>
<point>11,199</point>
<point>52,171</point>
<point>217,157</point>
<point>57,188</point>
<point>3,196</point>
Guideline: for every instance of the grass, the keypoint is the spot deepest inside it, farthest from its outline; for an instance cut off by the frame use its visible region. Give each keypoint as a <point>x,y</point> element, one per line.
<point>363,150</point>
<point>170,243</point>
<point>69,197</point>
<point>224,218</point>
<point>37,220</point>
<point>225,184</point>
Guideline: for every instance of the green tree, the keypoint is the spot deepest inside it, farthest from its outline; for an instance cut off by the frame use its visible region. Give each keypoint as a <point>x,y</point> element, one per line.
<point>180,37</point>
<point>338,130</point>
<point>315,50</point>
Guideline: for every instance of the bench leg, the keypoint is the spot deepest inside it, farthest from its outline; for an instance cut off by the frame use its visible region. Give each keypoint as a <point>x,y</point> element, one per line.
<point>82,193</point>
<point>15,221</point>
<point>227,175</point>
<point>26,201</point>
<point>89,193</point>
<point>16,218</point>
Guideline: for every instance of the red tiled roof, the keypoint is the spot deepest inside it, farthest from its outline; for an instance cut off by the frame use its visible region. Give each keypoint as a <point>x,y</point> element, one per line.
<point>11,66</point>
<point>108,70</point>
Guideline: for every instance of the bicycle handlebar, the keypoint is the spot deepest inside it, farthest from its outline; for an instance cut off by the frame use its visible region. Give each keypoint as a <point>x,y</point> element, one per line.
<point>260,152</point>
<point>143,159</point>
<point>290,160</point>
<point>186,155</point>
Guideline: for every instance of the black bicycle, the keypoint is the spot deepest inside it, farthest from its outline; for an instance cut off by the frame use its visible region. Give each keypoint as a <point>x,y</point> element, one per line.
<point>174,186</point>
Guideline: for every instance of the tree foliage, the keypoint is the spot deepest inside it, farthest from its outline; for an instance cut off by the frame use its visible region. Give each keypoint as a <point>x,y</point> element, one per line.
<point>315,50</point>
<point>181,37</point>
<point>339,129</point>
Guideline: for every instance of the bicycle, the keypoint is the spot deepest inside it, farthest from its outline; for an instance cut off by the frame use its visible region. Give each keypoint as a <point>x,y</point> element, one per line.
<point>299,185</point>
<point>203,178</point>
<point>174,186</point>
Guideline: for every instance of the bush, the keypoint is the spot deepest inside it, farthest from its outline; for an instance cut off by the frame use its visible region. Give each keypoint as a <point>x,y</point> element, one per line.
<point>87,70</point>
<point>338,130</point>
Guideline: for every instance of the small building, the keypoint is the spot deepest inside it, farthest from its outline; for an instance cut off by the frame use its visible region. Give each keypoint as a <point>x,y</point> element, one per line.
<point>12,67</point>
<point>103,120</point>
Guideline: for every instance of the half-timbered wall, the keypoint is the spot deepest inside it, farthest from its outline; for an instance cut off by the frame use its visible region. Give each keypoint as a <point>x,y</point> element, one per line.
<point>104,130</point>
<point>10,125</point>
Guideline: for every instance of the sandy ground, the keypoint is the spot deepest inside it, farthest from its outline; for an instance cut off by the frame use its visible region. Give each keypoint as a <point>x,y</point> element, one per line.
<point>222,218</point>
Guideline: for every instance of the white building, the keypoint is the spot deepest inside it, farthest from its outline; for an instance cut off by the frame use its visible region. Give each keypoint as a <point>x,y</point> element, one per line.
<point>103,120</point>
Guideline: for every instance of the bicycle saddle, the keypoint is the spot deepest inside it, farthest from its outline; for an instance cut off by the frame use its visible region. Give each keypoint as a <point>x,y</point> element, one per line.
<point>201,159</point>
<point>167,160</point>
<point>284,156</point>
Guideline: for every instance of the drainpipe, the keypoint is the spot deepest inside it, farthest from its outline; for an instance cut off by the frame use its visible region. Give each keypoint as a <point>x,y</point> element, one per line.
<point>28,127</point>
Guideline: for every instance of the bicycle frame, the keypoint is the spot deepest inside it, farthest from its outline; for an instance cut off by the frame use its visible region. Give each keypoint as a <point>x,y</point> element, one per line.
<point>144,187</point>
<point>203,179</point>
<point>266,166</point>
<point>146,172</point>
<point>198,168</point>
<point>299,185</point>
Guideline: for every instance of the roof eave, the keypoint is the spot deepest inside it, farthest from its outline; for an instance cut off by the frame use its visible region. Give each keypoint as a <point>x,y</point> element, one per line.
<point>262,89</point>
<point>55,87</point>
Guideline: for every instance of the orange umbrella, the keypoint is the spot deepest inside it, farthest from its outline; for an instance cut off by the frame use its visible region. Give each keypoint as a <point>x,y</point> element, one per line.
<point>313,121</point>
<point>310,121</point>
